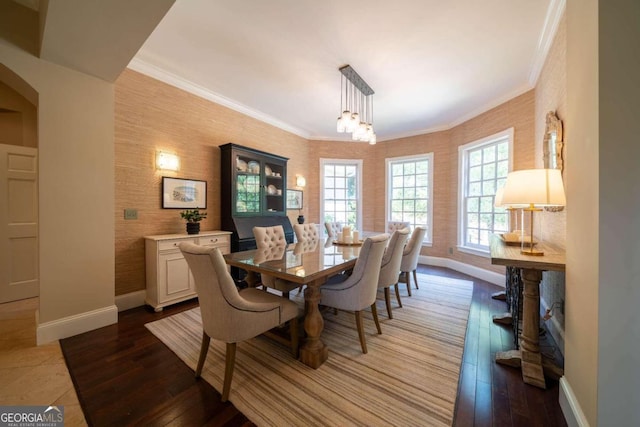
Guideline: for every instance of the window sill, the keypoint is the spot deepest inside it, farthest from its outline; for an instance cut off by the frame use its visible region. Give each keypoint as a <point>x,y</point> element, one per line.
<point>474,251</point>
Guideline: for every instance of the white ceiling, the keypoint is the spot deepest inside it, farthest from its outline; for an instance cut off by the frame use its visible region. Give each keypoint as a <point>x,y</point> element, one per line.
<point>432,63</point>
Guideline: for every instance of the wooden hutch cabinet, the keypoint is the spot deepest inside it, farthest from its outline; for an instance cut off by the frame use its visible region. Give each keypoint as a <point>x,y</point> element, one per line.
<point>253,193</point>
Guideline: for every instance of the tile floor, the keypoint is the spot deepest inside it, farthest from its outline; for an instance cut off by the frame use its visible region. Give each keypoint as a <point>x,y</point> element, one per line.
<point>31,374</point>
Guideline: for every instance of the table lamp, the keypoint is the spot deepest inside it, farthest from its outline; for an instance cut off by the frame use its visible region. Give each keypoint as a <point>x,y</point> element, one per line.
<point>534,188</point>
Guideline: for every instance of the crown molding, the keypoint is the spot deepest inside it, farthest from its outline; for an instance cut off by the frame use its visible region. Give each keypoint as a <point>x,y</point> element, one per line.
<point>157,73</point>
<point>551,22</point>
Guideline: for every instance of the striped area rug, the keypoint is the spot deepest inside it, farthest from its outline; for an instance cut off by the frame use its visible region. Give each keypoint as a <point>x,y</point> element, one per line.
<point>408,377</point>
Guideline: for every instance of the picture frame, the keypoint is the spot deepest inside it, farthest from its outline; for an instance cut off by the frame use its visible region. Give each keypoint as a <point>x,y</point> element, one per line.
<point>181,193</point>
<point>294,199</point>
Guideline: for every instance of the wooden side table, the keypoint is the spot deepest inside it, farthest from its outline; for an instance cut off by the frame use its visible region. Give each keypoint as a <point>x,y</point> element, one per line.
<point>528,357</point>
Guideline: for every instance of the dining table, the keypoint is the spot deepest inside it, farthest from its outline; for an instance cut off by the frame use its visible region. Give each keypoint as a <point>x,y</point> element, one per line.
<point>308,263</point>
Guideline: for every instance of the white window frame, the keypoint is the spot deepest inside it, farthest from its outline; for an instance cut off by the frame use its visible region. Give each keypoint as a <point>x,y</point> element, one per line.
<point>358,163</point>
<point>428,238</point>
<point>462,180</point>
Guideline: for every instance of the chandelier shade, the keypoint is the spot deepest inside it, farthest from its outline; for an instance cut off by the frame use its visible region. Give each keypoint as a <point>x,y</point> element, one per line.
<point>356,105</point>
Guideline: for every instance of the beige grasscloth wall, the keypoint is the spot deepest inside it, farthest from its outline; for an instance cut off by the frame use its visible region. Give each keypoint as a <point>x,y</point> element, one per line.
<point>151,115</point>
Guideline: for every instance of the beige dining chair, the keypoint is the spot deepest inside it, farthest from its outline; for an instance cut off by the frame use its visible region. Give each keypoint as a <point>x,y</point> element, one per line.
<point>397,225</point>
<point>333,228</point>
<point>358,291</point>
<point>230,315</point>
<point>308,231</point>
<point>266,238</point>
<point>390,267</point>
<point>409,263</point>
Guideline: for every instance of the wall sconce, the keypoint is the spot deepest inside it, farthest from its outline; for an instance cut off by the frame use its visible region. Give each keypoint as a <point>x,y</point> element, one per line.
<point>167,161</point>
<point>300,181</point>
<point>534,188</point>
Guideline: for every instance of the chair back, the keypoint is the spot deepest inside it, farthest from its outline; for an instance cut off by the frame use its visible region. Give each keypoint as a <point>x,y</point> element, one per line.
<point>270,253</point>
<point>217,293</point>
<point>412,250</point>
<point>367,271</point>
<point>269,236</point>
<point>333,228</point>
<point>307,231</point>
<point>390,266</point>
<point>397,225</point>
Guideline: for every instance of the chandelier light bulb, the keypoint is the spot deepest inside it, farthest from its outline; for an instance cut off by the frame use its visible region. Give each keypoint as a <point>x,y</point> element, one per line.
<point>373,139</point>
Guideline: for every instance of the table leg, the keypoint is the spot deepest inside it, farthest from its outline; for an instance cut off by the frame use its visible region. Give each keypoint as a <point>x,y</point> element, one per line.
<point>314,352</point>
<point>529,358</point>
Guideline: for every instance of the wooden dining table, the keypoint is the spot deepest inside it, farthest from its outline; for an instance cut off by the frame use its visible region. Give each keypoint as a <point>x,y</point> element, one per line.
<point>308,264</point>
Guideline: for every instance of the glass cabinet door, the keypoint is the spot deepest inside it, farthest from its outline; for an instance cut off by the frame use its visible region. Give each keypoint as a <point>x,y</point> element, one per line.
<point>248,185</point>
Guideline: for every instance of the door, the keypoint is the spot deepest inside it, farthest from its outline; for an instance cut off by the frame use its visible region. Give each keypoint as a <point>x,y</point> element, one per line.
<point>19,275</point>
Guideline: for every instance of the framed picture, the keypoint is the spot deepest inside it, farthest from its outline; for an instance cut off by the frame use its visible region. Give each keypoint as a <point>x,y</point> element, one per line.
<point>294,199</point>
<point>179,193</point>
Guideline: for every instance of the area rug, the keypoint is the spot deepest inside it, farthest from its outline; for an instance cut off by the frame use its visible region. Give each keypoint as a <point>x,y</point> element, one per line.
<point>408,377</point>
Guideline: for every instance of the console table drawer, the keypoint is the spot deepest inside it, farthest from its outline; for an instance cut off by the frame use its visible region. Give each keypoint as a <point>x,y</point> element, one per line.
<point>164,245</point>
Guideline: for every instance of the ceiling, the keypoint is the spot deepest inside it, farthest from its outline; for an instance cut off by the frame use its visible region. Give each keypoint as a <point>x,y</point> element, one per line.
<point>432,64</point>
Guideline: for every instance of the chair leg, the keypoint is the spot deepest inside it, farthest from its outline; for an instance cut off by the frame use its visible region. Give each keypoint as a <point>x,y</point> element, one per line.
<point>374,311</point>
<point>293,329</point>
<point>285,294</point>
<point>360,326</point>
<point>407,279</point>
<point>387,301</point>
<point>230,361</point>
<point>204,348</point>
<point>398,295</point>
<point>415,278</point>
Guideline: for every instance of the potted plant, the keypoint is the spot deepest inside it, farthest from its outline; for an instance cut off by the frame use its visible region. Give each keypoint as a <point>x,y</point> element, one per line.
<point>193,217</point>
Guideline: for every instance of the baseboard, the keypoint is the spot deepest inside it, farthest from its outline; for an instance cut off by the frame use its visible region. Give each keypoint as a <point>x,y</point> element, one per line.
<point>78,323</point>
<point>480,273</point>
<point>553,326</point>
<point>130,300</point>
<point>570,407</point>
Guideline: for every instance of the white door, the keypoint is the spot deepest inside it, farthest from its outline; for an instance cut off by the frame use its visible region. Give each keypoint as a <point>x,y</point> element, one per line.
<point>19,276</point>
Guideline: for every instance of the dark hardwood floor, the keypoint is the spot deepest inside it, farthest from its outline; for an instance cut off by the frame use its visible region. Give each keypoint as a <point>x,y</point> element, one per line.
<point>125,376</point>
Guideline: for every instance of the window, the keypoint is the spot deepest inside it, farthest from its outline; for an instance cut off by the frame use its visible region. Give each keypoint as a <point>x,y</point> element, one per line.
<point>409,191</point>
<point>341,191</point>
<point>484,166</point>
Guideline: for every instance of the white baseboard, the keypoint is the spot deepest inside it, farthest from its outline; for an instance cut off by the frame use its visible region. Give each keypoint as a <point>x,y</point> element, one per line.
<point>77,324</point>
<point>480,273</point>
<point>130,300</point>
<point>570,407</point>
<point>553,326</point>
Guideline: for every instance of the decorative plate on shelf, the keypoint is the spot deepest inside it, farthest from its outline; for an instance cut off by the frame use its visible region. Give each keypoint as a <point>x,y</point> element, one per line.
<point>271,189</point>
<point>241,165</point>
<point>267,170</point>
<point>253,166</point>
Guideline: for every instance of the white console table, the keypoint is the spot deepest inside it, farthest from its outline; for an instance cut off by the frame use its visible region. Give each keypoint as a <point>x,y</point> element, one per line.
<point>169,280</point>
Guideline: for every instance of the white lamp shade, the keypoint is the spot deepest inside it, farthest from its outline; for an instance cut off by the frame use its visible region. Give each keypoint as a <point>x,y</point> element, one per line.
<point>538,187</point>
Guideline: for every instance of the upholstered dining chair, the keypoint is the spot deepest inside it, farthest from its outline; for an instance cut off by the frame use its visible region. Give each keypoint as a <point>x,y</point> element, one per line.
<point>390,266</point>
<point>308,231</point>
<point>358,291</point>
<point>230,315</point>
<point>397,225</point>
<point>268,237</point>
<point>410,256</point>
<point>333,228</point>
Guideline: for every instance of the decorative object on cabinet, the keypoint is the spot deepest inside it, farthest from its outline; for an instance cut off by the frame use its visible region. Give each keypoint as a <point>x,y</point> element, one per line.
<point>535,188</point>
<point>552,148</point>
<point>169,280</point>
<point>180,193</point>
<point>193,217</point>
<point>252,199</point>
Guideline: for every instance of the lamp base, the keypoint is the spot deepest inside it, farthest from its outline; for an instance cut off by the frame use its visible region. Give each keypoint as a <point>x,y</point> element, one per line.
<point>532,252</point>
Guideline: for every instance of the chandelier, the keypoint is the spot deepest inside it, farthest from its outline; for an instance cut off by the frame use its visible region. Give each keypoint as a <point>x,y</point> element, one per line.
<point>356,105</point>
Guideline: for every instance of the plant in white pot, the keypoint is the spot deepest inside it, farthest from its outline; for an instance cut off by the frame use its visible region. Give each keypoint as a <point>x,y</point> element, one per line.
<point>193,217</point>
